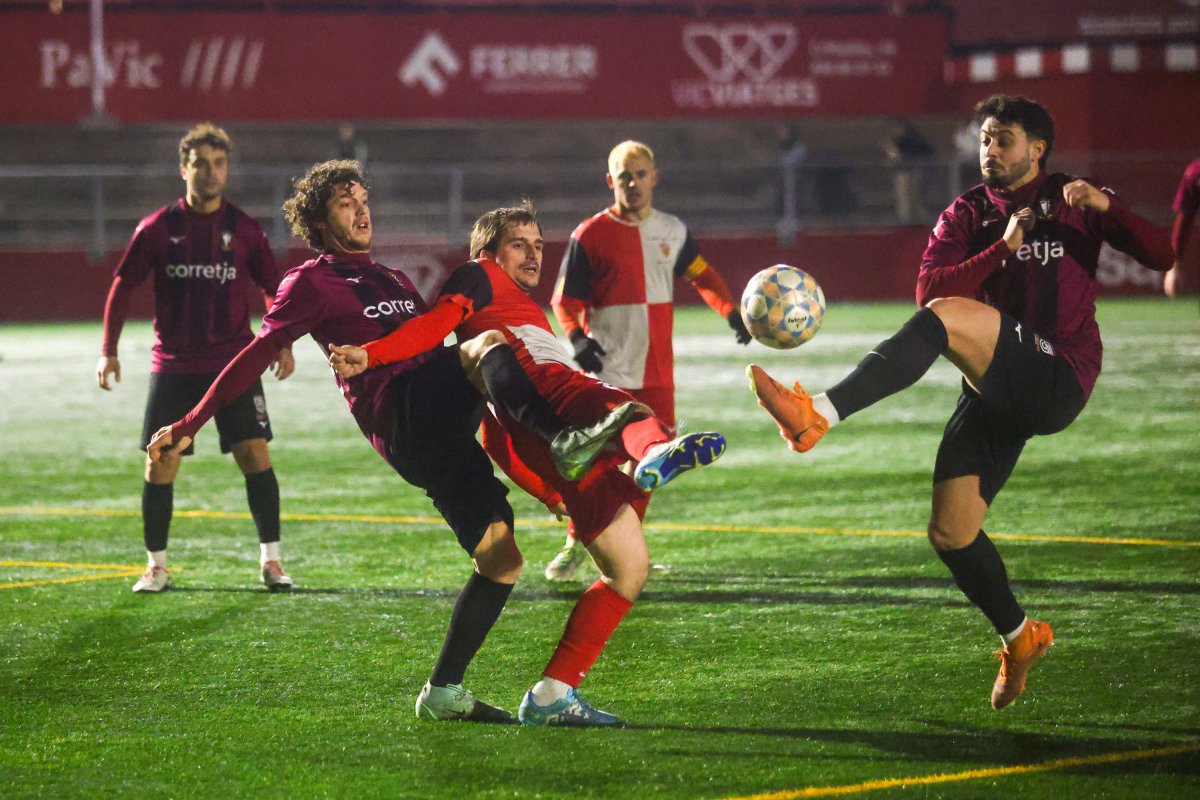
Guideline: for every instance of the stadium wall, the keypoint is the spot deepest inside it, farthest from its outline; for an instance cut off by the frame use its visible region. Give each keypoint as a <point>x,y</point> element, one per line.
<point>851,266</point>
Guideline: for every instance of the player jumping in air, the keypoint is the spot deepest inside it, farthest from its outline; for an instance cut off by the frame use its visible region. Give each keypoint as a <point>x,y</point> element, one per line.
<point>606,506</point>
<point>206,257</point>
<point>1007,288</point>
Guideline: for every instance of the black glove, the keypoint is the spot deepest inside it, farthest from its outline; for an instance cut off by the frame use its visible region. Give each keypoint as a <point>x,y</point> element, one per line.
<point>739,327</point>
<point>587,351</point>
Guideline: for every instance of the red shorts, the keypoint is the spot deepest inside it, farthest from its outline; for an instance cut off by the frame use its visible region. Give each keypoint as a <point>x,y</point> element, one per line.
<point>661,402</point>
<point>594,501</point>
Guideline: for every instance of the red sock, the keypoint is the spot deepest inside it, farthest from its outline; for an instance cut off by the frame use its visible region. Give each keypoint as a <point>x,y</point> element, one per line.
<point>639,436</point>
<point>594,618</point>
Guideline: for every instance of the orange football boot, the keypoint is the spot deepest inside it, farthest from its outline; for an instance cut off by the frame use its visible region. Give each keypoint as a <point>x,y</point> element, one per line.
<point>792,409</point>
<point>1015,660</point>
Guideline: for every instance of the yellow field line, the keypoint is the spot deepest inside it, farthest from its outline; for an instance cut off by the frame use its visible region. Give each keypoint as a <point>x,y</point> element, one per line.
<point>653,526</point>
<point>109,571</point>
<point>973,774</point>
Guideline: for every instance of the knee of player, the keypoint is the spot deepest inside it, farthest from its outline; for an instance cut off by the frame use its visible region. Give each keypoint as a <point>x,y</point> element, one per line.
<point>471,351</point>
<point>944,537</point>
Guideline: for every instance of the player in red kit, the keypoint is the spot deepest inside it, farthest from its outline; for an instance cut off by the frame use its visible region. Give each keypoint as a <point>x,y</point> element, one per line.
<point>614,298</point>
<point>491,294</point>
<point>1007,288</point>
<point>1187,203</point>
<point>210,264</point>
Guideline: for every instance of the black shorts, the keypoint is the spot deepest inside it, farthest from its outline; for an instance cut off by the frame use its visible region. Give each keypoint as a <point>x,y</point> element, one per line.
<point>172,396</point>
<point>432,445</point>
<point>1029,390</point>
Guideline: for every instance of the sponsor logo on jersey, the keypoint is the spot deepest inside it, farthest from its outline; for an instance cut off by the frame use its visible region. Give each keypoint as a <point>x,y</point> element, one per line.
<point>386,308</point>
<point>1040,251</point>
<point>221,273</point>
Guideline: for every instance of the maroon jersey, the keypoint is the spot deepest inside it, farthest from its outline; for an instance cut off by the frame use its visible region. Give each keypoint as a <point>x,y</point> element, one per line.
<point>1187,196</point>
<point>346,298</point>
<point>206,268</point>
<point>1049,283</point>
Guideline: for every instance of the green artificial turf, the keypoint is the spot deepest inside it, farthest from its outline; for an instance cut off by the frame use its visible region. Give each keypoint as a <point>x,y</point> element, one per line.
<point>800,633</point>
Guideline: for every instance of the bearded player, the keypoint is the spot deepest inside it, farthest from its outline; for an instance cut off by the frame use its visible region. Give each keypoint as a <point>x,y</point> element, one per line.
<point>1007,288</point>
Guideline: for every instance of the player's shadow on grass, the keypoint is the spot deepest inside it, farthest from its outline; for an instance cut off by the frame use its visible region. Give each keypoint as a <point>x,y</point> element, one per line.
<point>956,744</point>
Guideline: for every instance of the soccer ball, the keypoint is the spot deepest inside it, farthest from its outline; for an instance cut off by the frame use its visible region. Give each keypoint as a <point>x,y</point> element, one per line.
<point>783,307</point>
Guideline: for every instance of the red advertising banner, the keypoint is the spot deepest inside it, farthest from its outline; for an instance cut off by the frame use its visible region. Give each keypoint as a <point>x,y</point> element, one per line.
<point>279,67</point>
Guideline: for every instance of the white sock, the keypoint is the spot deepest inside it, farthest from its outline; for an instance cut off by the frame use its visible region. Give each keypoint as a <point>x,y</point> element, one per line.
<point>549,690</point>
<point>157,558</point>
<point>825,408</point>
<point>1008,637</point>
<point>268,551</point>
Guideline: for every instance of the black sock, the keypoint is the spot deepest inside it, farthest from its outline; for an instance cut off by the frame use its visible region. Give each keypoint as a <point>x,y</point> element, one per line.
<point>262,494</point>
<point>475,613</point>
<point>894,364</point>
<point>158,501</point>
<point>979,571</point>
<point>511,391</point>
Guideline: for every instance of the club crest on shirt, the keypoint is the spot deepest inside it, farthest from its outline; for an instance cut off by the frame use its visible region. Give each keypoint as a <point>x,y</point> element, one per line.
<point>1043,345</point>
<point>1045,209</point>
<point>665,248</point>
<point>226,241</point>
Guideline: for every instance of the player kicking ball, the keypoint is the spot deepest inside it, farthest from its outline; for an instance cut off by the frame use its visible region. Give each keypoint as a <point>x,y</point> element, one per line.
<point>420,414</point>
<point>606,506</point>
<point>1007,287</point>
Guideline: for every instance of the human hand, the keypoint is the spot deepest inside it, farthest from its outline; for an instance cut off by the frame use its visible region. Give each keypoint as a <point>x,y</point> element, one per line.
<point>734,318</point>
<point>107,365</point>
<point>1021,221</point>
<point>587,351</point>
<point>558,510</point>
<point>1081,194</point>
<point>284,364</point>
<point>162,443</point>
<point>347,360</point>
<point>1171,281</point>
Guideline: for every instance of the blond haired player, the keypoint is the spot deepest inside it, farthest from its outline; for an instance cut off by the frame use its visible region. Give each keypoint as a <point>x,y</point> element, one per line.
<point>615,295</point>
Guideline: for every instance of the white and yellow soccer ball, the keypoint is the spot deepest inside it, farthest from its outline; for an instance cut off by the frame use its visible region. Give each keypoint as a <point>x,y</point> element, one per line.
<point>783,307</point>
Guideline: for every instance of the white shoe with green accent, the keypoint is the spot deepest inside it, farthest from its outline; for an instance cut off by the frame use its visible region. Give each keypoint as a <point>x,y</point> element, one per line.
<point>453,702</point>
<point>564,565</point>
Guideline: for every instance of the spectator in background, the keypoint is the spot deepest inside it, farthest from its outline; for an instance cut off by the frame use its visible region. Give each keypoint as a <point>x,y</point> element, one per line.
<point>966,152</point>
<point>1183,278</point>
<point>206,257</point>
<point>615,293</point>
<point>350,146</point>
<point>908,153</point>
<point>792,153</point>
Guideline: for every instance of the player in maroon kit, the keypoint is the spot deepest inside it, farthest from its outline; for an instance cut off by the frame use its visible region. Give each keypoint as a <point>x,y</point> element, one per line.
<point>491,294</point>
<point>1187,203</point>
<point>1007,288</point>
<point>614,298</point>
<point>420,413</point>
<point>209,260</point>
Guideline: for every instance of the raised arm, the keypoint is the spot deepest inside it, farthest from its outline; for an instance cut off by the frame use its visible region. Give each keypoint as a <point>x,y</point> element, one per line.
<point>947,270</point>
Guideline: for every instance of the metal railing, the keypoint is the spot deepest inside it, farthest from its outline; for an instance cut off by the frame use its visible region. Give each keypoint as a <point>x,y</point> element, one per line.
<point>95,207</point>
